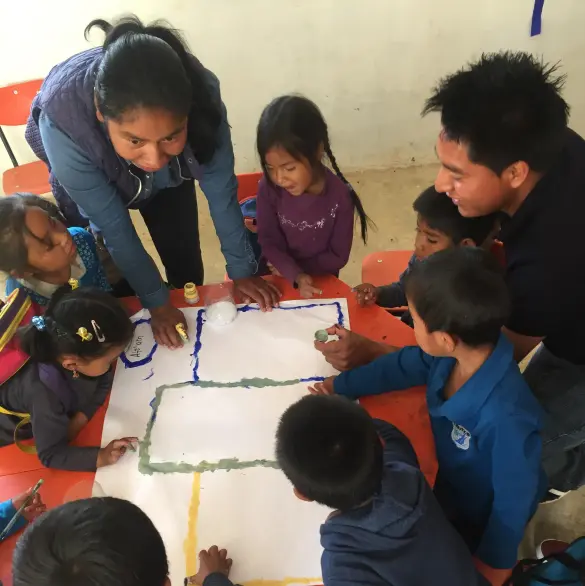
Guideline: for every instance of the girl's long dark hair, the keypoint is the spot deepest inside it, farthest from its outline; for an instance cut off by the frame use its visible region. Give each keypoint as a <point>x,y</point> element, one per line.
<point>151,67</point>
<point>297,125</point>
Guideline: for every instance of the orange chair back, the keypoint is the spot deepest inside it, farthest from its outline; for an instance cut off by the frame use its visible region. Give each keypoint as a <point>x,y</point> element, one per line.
<point>247,185</point>
<point>15,102</point>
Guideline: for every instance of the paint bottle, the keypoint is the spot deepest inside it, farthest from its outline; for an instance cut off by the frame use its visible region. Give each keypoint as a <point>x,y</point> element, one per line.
<point>191,293</point>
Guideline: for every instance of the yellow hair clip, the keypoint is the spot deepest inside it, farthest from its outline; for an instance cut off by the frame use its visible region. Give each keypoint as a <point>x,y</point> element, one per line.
<point>73,283</point>
<point>84,335</point>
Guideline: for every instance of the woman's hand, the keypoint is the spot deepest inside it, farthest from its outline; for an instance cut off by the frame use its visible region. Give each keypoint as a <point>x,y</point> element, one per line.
<point>34,509</point>
<point>366,294</point>
<point>306,288</point>
<point>212,561</point>
<point>256,289</point>
<point>164,321</point>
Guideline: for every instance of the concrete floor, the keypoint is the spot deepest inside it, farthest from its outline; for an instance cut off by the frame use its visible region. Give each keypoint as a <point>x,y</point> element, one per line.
<point>387,197</point>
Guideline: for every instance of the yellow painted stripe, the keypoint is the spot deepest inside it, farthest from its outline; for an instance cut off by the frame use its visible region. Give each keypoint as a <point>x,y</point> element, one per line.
<point>190,544</point>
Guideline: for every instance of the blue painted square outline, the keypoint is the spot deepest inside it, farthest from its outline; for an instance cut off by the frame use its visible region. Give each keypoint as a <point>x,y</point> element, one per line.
<point>244,309</point>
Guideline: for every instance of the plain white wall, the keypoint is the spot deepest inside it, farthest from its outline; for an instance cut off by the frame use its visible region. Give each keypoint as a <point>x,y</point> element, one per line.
<point>369,64</point>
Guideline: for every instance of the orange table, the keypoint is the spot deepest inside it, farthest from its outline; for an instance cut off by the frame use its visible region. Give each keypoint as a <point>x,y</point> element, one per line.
<point>405,409</point>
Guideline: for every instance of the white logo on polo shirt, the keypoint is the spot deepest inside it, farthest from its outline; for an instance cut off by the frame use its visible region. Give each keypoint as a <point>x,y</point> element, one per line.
<point>460,437</point>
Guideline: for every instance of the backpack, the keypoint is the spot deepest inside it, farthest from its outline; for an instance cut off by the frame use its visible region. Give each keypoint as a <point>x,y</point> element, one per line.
<point>17,311</point>
<point>248,208</point>
<point>560,569</point>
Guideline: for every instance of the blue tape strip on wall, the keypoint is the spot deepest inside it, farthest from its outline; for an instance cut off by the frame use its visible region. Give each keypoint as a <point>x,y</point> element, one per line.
<point>536,24</point>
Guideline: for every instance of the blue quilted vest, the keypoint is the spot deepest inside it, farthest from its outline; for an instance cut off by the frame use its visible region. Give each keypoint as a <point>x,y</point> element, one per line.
<point>67,98</point>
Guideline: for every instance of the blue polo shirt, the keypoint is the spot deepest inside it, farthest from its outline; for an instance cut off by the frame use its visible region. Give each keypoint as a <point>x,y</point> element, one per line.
<point>486,435</point>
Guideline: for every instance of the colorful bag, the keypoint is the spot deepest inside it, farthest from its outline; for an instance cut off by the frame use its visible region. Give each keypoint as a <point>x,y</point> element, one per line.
<point>559,569</point>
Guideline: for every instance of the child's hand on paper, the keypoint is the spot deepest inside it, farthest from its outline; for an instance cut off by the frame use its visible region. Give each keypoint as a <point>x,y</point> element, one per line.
<point>306,288</point>
<point>211,561</point>
<point>114,451</point>
<point>35,509</point>
<point>324,388</point>
<point>366,294</point>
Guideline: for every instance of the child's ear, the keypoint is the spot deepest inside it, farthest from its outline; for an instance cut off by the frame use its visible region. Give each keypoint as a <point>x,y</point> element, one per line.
<point>301,496</point>
<point>468,242</point>
<point>167,582</point>
<point>320,152</point>
<point>69,362</point>
<point>448,342</point>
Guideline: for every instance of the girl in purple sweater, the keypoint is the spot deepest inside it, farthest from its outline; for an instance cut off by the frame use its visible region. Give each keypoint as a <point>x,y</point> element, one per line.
<point>305,213</point>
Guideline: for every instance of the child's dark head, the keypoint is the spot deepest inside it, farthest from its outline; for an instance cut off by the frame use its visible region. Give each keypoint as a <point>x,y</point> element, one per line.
<point>292,139</point>
<point>439,225</point>
<point>33,237</point>
<point>457,296</point>
<point>85,330</point>
<point>330,451</point>
<point>91,541</point>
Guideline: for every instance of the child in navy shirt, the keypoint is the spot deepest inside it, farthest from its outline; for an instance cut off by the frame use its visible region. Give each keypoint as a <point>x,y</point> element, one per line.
<point>484,418</point>
<point>439,226</point>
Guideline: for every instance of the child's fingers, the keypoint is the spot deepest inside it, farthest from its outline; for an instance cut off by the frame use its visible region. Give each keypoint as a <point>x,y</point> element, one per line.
<point>223,554</point>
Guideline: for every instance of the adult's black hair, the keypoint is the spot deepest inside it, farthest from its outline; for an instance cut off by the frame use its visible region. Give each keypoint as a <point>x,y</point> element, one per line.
<point>91,542</point>
<point>506,107</point>
<point>329,449</point>
<point>440,213</point>
<point>67,312</point>
<point>13,249</point>
<point>151,67</point>
<point>460,291</point>
<point>296,124</point>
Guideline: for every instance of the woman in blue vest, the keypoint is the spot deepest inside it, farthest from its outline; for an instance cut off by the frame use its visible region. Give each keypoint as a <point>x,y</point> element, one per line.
<point>131,125</point>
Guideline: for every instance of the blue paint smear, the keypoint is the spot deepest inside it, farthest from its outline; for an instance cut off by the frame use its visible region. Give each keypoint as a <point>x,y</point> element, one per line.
<point>197,346</point>
<point>150,375</point>
<point>312,379</point>
<point>134,364</point>
<point>151,404</point>
<point>536,23</point>
<point>245,309</point>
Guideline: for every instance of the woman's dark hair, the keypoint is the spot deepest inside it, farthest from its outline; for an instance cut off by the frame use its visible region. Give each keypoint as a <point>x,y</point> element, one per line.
<point>297,125</point>
<point>151,67</point>
<point>58,331</point>
<point>460,291</point>
<point>13,249</point>
<point>91,541</point>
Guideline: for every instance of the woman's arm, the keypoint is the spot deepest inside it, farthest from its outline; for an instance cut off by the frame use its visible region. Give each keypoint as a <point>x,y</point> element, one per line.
<point>91,190</point>
<point>220,186</point>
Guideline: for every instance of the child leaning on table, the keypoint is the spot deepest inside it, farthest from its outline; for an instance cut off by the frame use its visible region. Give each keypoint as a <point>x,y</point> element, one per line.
<point>66,379</point>
<point>39,254</point>
<point>439,226</point>
<point>484,417</point>
<point>102,541</point>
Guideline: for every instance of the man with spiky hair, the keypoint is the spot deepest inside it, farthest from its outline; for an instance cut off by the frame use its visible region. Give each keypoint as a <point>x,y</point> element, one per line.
<point>505,146</point>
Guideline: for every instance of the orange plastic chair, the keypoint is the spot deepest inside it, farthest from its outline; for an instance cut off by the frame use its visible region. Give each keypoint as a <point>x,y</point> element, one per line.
<point>247,185</point>
<point>15,102</point>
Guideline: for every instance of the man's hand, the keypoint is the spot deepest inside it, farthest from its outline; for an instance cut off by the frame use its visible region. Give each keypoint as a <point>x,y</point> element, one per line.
<point>323,388</point>
<point>351,350</point>
<point>114,451</point>
<point>366,294</point>
<point>212,561</point>
<point>306,288</point>
<point>265,294</point>
<point>164,320</point>
<point>35,509</point>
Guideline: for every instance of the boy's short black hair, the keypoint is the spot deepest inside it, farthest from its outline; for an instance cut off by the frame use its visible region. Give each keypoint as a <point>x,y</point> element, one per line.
<point>329,449</point>
<point>440,213</point>
<point>460,291</point>
<point>506,107</point>
<point>94,541</point>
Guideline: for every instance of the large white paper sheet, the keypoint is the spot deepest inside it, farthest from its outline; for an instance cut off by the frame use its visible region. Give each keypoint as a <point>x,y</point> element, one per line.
<point>276,345</point>
<point>190,405</point>
<point>234,423</point>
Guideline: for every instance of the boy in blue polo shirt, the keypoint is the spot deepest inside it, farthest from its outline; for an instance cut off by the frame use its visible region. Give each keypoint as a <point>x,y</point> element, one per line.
<point>484,417</point>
